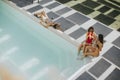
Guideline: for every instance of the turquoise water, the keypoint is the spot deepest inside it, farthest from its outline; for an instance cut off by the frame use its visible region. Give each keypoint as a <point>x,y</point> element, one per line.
<point>29,40</point>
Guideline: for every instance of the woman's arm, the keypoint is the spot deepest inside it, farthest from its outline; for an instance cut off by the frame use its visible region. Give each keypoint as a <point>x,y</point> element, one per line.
<point>86,36</point>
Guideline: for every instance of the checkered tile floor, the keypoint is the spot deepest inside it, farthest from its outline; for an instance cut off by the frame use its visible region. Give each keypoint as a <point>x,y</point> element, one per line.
<point>75,25</point>
<point>105,11</point>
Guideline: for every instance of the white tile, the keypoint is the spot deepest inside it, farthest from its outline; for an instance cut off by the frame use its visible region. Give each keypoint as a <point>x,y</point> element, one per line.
<point>48,3</point>
<point>72,29</point>
<point>106,47</point>
<point>69,13</point>
<point>88,24</point>
<point>112,36</point>
<point>36,1</point>
<point>81,39</point>
<point>30,6</point>
<point>92,75</point>
<point>58,8</point>
<point>29,13</point>
<point>106,73</point>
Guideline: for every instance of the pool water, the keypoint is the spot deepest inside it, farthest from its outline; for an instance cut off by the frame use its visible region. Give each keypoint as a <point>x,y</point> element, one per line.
<point>36,51</point>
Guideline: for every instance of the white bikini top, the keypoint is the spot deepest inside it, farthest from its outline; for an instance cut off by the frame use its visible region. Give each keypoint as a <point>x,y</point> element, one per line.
<point>44,17</point>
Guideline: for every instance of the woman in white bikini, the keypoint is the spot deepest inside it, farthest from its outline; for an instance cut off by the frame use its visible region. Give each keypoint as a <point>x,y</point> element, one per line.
<point>45,21</point>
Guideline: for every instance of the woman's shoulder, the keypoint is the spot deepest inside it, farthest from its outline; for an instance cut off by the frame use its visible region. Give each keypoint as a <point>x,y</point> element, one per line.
<point>94,33</point>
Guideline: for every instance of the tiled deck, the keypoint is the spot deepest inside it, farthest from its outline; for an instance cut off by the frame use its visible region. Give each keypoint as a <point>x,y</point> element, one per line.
<point>75,25</point>
<point>105,11</point>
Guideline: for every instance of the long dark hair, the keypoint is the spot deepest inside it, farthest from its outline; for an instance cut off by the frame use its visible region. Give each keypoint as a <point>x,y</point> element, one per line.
<point>90,29</point>
<point>100,38</point>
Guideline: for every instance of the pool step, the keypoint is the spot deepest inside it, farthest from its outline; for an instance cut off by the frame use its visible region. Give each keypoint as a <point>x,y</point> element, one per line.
<point>51,72</point>
<point>39,74</point>
<point>8,52</point>
<point>29,64</point>
<point>4,38</point>
<point>11,50</point>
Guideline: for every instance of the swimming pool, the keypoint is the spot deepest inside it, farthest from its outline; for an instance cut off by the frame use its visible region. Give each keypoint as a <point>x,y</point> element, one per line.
<point>41,54</point>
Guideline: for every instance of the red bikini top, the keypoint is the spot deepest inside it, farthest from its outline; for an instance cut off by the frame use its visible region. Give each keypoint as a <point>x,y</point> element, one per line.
<point>89,40</point>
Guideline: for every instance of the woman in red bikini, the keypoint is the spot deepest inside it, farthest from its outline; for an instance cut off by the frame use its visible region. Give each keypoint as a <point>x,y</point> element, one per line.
<point>95,50</point>
<point>90,38</point>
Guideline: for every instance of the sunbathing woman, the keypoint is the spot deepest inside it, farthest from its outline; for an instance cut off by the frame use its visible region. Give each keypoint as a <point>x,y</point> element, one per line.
<point>90,38</point>
<point>45,21</point>
<point>94,50</point>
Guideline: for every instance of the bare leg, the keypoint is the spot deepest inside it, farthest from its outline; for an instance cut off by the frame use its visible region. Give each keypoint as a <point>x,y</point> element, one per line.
<point>94,52</point>
<point>80,48</point>
<point>85,51</point>
<point>90,54</point>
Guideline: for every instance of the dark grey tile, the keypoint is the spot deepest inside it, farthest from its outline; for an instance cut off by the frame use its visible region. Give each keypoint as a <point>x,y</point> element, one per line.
<point>63,1</point>
<point>104,19</point>
<point>52,15</point>
<point>83,9</point>
<point>115,2</point>
<point>91,4</point>
<point>21,3</point>
<point>118,30</point>
<point>53,5</point>
<point>33,9</point>
<point>117,42</point>
<point>114,13</point>
<point>79,32</point>
<point>108,4</point>
<point>104,9</point>
<point>29,1</point>
<point>85,76</point>
<point>63,10</point>
<point>78,18</point>
<point>65,24</point>
<point>44,2</point>
<point>101,29</point>
<point>100,67</point>
<point>113,54</point>
<point>115,75</point>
